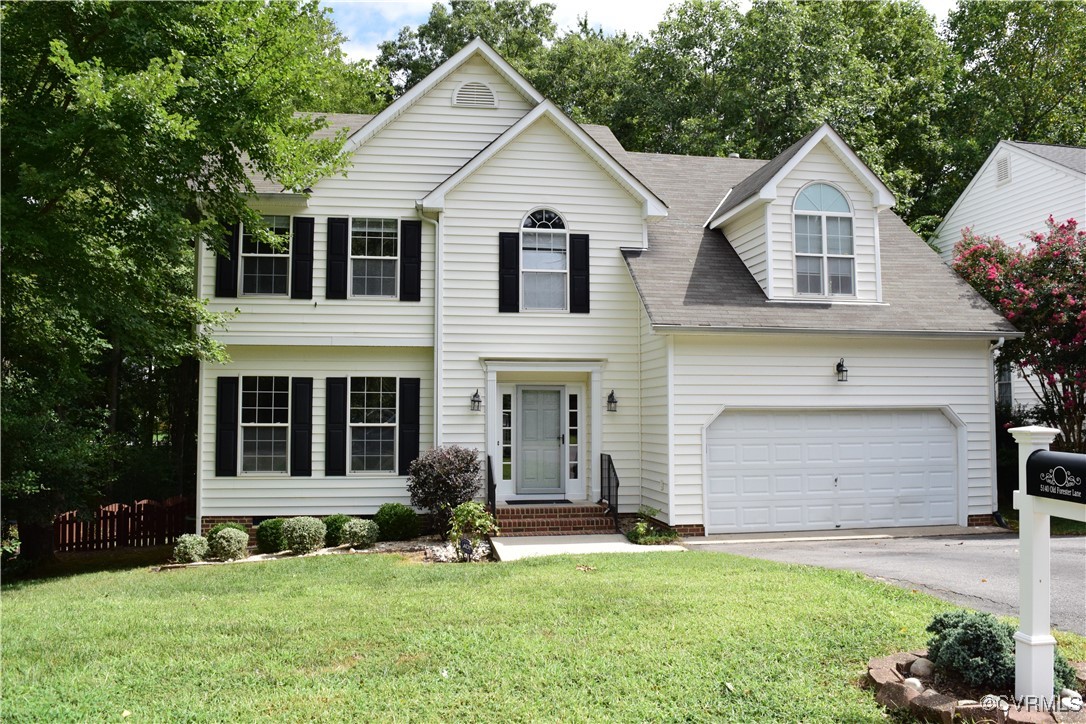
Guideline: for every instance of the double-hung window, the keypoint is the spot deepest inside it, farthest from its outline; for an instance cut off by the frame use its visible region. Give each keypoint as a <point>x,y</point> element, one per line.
<point>373,424</point>
<point>265,269</point>
<point>825,254</point>
<point>374,257</point>
<point>265,424</point>
<point>544,257</point>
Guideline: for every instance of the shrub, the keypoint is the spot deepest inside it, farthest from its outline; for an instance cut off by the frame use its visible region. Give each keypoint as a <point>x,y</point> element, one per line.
<point>396,521</point>
<point>303,535</point>
<point>360,533</point>
<point>190,548</point>
<point>269,536</point>
<point>443,478</point>
<point>979,649</point>
<point>472,521</point>
<point>228,544</point>
<point>223,526</point>
<point>645,532</point>
<point>333,524</point>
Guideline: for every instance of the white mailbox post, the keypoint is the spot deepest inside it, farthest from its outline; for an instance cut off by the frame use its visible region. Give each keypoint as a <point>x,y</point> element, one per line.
<point>1034,645</point>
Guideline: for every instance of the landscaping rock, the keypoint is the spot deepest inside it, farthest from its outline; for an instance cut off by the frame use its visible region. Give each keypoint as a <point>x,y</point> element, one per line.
<point>922,667</point>
<point>933,706</point>
<point>899,661</point>
<point>976,713</point>
<point>880,676</point>
<point>895,695</point>
<point>915,684</point>
<point>1080,673</point>
<point>1022,716</point>
<point>1069,693</point>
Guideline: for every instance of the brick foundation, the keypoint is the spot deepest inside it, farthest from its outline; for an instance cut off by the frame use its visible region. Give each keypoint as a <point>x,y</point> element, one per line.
<point>210,521</point>
<point>976,520</point>
<point>685,530</point>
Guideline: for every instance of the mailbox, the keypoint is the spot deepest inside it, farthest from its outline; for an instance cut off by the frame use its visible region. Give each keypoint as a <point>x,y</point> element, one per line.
<point>1056,475</point>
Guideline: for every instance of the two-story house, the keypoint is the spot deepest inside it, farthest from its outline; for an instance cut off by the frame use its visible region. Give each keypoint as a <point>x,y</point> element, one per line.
<point>752,345</point>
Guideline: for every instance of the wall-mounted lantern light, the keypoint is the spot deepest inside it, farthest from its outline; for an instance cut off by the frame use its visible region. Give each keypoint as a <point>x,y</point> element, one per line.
<point>612,402</point>
<point>842,371</point>
<point>476,401</point>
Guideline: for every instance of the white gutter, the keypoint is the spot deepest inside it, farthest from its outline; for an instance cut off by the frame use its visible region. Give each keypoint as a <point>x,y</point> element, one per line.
<point>993,349</point>
<point>438,331</point>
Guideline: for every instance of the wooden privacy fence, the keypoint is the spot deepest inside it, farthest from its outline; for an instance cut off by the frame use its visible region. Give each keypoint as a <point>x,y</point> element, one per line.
<point>118,525</point>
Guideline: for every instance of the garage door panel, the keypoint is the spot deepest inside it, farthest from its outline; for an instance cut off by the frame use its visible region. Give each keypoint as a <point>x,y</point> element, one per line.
<point>796,470</point>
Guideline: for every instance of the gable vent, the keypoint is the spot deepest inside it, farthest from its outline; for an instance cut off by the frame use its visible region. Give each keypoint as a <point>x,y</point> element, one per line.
<point>475,94</point>
<point>1003,170</point>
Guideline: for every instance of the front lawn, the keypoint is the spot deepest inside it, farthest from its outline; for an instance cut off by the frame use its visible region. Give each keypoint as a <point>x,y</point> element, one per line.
<point>666,636</point>
<point>1057,525</point>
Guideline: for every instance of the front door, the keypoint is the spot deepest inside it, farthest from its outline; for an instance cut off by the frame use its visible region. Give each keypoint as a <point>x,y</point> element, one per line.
<point>540,442</point>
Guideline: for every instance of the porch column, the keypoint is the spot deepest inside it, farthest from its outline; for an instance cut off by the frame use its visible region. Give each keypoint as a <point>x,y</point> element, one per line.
<point>595,393</point>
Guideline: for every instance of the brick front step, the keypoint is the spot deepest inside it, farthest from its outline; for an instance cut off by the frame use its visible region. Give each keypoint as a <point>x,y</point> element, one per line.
<point>522,520</point>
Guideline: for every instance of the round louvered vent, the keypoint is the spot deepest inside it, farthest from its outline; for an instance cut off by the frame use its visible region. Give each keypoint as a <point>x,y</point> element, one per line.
<point>475,95</point>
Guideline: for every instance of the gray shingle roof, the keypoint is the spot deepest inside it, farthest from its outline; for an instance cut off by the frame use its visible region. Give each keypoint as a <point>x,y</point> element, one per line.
<point>1073,157</point>
<point>691,276</point>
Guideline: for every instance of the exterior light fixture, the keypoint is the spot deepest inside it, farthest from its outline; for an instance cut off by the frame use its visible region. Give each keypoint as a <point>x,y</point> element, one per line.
<point>612,402</point>
<point>476,401</point>
<point>842,371</point>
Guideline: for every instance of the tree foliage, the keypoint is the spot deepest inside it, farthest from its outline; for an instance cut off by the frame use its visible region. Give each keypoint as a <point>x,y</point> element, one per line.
<point>129,133</point>
<point>1042,291</point>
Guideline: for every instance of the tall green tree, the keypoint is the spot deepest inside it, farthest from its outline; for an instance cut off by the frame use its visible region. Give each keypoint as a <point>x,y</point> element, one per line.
<point>130,130</point>
<point>518,29</point>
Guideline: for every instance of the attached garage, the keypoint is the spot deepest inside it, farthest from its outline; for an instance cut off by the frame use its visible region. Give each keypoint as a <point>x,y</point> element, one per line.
<point>790,470</point>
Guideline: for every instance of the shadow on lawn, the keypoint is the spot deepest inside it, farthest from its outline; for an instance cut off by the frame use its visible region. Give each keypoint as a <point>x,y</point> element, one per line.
<point>77,562</point>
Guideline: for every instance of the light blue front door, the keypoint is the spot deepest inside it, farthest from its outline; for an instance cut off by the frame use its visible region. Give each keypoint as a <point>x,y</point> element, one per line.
<point>540,442</point>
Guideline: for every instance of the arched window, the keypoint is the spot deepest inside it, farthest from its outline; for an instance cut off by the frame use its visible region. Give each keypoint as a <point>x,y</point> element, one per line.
<point>824,248</point>
<point>544,261</point>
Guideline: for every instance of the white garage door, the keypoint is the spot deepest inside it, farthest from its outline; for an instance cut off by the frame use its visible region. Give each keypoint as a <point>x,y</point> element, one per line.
<point>821,469</point>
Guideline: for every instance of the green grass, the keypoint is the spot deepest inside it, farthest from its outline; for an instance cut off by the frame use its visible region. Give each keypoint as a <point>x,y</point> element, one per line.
<point>1058,526</point>
<point>642,637</point>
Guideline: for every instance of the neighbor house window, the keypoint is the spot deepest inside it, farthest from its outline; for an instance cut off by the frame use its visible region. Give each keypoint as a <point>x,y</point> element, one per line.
<point>373,424</point>
<point>374,257</point>
<point>265,420</point>
<point>544,261</point>
<point>265,269</point>
<point>1004,385</point>
<point>825,257</point>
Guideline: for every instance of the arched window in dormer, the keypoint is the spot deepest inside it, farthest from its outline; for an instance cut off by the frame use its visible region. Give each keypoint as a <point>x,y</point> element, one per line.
<point>544,261</point>
<point>824,249</point>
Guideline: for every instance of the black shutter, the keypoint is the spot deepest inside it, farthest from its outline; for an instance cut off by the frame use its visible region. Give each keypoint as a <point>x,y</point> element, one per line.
<point>301,426</point>
<point>226,267</point>
<point>301,258</point>
<point>226,427</point>
<point>408,416</point>
<point>508,271</point>
<point>336,283</point>
<point>410,260</point>
<point>578,273</point>
<point>335,427</point>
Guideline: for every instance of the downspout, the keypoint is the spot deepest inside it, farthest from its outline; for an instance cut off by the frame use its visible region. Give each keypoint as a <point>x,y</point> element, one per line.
<point>993,349</point>
<point>438,332</point>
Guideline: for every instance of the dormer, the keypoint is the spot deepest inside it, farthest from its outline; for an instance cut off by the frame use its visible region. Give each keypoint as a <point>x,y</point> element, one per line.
<point>806,223</point>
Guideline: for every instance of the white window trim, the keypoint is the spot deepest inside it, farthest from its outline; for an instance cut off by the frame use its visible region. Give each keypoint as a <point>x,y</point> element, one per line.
<point>395,431</point>
<point>242,256</point>
<point>825,256</point>
<point>243,425</point>
<point>520,262</point>
<point>352,257</point>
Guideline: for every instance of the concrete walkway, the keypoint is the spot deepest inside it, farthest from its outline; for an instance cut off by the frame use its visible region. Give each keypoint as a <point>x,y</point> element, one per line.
<point>925,531</point>
<point>533,546</point>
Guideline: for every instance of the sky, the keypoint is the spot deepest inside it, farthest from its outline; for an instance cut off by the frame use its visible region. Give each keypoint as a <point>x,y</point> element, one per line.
<point>368,22</point>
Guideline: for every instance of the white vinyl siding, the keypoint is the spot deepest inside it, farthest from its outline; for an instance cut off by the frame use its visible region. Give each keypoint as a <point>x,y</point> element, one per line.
<point>495,199</point>
<point>654,419</point>
<point>418,150</point>
<point>284,495</point>
<point>1014,209</point>
<point>746,232</point>
<point>758,372</point>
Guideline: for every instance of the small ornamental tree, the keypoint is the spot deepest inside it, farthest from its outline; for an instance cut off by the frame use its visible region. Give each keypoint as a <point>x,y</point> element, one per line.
<point>1042,292</point>
<point>443,478</point>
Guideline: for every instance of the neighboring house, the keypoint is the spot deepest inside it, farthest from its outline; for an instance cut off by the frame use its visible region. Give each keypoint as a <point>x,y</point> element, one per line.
<point>1019,186</point>
<point>490,274</point>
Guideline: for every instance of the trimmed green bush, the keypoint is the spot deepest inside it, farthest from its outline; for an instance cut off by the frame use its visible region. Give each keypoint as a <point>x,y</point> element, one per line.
<point>443,478</point>
<point>228,544</point>
<point>269,536</point>
<point>303,535</point>
<point>396,521</point>
<point>333,525</point>
<point>360,533</point>
<point>190,548</point>
<point>223,526</point>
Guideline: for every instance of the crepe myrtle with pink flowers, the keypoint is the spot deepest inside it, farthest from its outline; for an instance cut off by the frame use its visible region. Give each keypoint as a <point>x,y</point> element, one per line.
<point>1042,292</point>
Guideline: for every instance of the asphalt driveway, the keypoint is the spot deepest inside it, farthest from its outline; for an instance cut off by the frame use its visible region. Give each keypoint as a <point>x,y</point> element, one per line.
<point>979,572</point>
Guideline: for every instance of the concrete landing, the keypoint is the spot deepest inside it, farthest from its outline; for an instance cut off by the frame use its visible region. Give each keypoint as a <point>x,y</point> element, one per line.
<point>926,531</point>
<point>533,546</point>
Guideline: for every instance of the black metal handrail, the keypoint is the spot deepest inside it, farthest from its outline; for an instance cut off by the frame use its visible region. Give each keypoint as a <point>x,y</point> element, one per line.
<point>491,488</point>
<point>609,487</point>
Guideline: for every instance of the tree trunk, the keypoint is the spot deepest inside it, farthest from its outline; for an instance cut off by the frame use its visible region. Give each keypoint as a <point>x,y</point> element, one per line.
<point>36,542</point>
